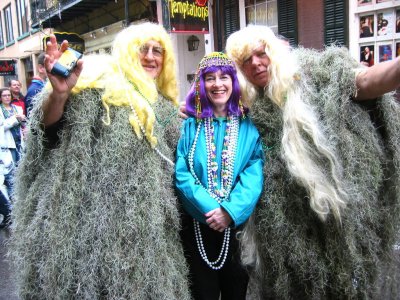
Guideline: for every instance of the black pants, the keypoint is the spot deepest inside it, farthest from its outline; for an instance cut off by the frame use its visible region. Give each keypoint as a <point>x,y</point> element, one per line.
<point>207,284</point>
<point>5,207</point>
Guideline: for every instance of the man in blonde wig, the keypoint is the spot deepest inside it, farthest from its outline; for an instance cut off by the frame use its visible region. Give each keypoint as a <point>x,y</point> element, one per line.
<point>95,213</point>
<point>327,223</point>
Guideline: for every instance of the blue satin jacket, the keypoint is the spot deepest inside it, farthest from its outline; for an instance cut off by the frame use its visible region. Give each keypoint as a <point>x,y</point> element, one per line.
<point>248,171</point>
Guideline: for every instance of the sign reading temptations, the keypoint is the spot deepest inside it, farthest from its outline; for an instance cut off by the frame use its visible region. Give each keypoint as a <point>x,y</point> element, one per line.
<point>188,16</point>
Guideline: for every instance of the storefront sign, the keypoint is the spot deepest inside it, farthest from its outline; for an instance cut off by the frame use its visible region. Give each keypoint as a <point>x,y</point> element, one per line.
<point>7,67</point>
<point>74,40</point>
<point>188,16</point>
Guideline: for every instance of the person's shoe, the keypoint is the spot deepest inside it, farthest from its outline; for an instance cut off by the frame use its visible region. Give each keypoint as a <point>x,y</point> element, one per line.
<point>6,222</point>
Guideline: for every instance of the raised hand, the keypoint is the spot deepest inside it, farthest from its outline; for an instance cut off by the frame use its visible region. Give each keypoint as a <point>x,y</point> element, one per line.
<point>53,107</point>
<point>61,85</point>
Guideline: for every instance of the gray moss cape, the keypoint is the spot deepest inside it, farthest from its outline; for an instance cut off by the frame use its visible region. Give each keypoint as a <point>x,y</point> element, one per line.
<point>96,216</point>
<point>301,256</point>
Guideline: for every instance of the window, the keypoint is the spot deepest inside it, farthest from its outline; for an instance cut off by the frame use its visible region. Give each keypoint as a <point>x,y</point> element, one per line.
<point>8,24</point>
<point>335,22</point>
<point>1,33</point>
<point>231,23</point>
<point>262,12</point>
<point>287,20</point>
<point>22,17</point>
<point>227,16</point>
<point>378,35</point>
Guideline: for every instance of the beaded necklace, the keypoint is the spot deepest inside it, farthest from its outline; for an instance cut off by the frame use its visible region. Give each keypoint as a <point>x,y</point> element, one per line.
<point>162,123</point>
<point>8,113</point>
<point>136,117</point>
<point>227,168</point>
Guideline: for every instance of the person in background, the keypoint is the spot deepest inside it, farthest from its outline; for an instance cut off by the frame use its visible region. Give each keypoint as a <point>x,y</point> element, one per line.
<point>37,83</point>
<point>16,96</point>
<point>327,223</point>
<point>6,166</point>
<point>13,119</point>
<point>95,214</point>
<point>219,179</point>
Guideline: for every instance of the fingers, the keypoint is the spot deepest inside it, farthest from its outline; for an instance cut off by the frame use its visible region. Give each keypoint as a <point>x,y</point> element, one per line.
<point>182,111</point>
<point>78,68</point>
<point>51,45</point>
<point>210,213</point>
<point>216,224</point>
<point>217,227</point>
<point>64,46</point>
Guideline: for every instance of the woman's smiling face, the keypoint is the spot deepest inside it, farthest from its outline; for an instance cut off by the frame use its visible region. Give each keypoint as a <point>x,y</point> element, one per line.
<point>218,88</point>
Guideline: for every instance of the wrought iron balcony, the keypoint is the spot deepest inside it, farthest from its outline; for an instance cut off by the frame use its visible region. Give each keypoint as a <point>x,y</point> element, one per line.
<point>52,13</point>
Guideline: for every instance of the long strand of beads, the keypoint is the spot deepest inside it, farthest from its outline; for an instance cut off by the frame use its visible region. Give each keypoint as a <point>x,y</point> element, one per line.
<point>228,157</point>
<point>220,261</point>
<point>141,126</point>
<point>191,163</point>
<point>227,168</point>
<point>170,162</point>
<point>212,165</point>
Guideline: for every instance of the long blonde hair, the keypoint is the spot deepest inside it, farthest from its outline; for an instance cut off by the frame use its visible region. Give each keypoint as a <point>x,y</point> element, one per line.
<point>124,80</point>
<point>304,141</point>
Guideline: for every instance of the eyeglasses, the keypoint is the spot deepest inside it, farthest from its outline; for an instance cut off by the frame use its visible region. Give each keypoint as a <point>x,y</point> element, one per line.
<point>6,95</point>
<point>155,50</point>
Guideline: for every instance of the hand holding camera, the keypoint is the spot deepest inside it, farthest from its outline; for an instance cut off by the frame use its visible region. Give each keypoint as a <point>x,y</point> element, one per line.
<point>63,73</point>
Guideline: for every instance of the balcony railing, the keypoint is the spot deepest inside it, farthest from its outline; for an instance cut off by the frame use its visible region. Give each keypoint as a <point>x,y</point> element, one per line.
<point>51,13</point>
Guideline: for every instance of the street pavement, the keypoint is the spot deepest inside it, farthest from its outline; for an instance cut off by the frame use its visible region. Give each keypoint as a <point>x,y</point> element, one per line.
<point>7,286</point>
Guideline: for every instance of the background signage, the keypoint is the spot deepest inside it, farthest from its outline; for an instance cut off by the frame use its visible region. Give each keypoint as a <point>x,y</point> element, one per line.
<point>7,67</point>
<point>74,40</point>
<point>186,16</point>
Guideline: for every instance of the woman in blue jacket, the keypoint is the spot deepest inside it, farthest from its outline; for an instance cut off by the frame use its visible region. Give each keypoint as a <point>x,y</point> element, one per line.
<point>218,178</point>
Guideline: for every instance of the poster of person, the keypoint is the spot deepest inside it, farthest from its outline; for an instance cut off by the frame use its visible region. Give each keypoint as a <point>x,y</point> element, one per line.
<point>364,2</point>
<point>366,26</point>
<point>397,49</point>
<point>385,23</point>
<point>367,55</point>
<point>398,21</point>
<point>385,52</point>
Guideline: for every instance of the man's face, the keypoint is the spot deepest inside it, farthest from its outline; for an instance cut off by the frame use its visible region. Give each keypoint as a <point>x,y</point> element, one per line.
<point>255,68</point>
<point>42,71</point>
<point>151,58</point>
<point>15,87</point>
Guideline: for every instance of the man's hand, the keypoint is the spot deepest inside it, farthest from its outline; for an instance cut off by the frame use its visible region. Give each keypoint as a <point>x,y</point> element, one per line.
<point>53,107</point>
<point>61,86</point>
<point>182,111</point>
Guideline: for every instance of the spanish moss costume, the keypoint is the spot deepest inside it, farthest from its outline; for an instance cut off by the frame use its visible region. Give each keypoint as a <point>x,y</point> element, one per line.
<point>300,256</point>
<point>96,216</point>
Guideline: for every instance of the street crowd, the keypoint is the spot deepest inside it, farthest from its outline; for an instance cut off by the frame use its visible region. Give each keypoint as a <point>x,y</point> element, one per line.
<point>15,108</point>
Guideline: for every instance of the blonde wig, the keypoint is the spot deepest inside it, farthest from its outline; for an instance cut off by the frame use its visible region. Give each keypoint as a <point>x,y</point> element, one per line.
<point>124,80</point>
<point>305,146</point>
<point>282,70</point>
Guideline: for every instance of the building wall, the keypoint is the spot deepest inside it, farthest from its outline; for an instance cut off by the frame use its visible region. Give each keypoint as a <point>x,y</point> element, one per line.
<point>310,21</point>
<point>24,48</point>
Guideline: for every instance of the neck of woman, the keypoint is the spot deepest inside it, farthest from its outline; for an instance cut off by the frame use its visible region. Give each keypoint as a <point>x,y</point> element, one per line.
<point>220,111</point>
<point>6,105</point>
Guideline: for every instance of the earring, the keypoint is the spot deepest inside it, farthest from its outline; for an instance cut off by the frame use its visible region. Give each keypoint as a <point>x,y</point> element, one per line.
<point>241,108</point>
<point>197,99</point>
